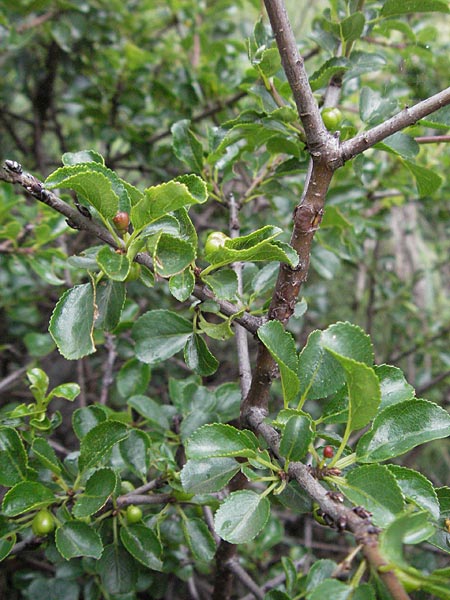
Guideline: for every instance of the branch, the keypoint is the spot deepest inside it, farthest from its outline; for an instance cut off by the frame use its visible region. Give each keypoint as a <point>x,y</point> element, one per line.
<point>405,118</point>
<point>12,173</point>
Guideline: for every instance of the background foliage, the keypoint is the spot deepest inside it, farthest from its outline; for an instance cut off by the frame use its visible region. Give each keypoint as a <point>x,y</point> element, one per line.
<point>197,88</point>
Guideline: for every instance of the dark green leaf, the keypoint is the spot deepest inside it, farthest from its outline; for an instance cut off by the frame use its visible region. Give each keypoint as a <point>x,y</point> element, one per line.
<point>99,487</point>
<point>172,255</point>
<point>85,419</point>
<point>135,451</point>
<point>150,410</point>
<point>393,385</point>
<point>223,283</point>
<point>114,264</point>
<point>143,545</point>
<point>427,181</point>
<point>241,516</point>
<point>26,496</point>
<point>159,334</point>
<point>208,475</point>
<point>405,529</point>
<point>117,570</point>
<point>181,285</point>
<point>133,378</point>
<point>13,458</point>
<point>333,66</point>
<point>199,539</point>
<point>72,322</point>
<point>198,357</point>
<point>78,539</point>
<point>98,441</point>
<point>416,488</point>
<point>221,440</point>
<point>296,437</point>
<point>186,146</point>
<point>46,455</point>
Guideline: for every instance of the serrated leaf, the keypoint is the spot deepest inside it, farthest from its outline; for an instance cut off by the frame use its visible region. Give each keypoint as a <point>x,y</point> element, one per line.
<point>241,516</point>
<point>319,373</point>
<point>99,487</point>
<point>374,107</point>
<point>98,441</point>
<point>221,440</point>
<point>26,496</point>
<point>405,529</point>
<point>46,455</point>
<point>182,284</point>
<point>86,418</point>
<point>401,427</point>
<point>115,265</point>
<point>296,437</point>
<point>352,27</point>
<point>216,331</point>
<point>427,181</point>
<point>135,451</point>
<point>393,385</point>
<point>78,539</point>
<point>117,570</point>
<point>198,357</point>
<point>166,198</point>
<point>13,458</point>
<point>199,539</point>
<point>172,255</point>
<point>375,488</point>
<point>400,7</point>
<point>68,391</point>
<point>208,475</point>
<point>133,378</point>
<point>143,545</point>
<point>268,61</point>
<point>150,410</point>
<point>83,156</point>
<point>159,334</point>
<point>94,187</point>
<point>223,283</point>
<point>364,394</point>
<point>417,488</point>
<point>110,300</point>
<point>331,67</point>
<point>186,146</point>
<point>401,144</point>
<point>72,322</point>
<point>281,346</point>
<point>348,340</point>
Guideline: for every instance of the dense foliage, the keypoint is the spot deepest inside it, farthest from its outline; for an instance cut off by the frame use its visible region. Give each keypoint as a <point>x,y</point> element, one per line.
<point>181,415</point>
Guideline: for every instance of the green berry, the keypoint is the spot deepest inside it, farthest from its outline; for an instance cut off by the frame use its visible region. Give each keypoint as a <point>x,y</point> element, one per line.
<point>43,522</point>
<point>134,514</point>
<point>332,118</point>
<point>214,241</point>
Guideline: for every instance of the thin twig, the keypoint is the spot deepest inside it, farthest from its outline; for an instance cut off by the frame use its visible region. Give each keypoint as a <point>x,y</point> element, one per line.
<point>245,578</point>
<point>108,367</point>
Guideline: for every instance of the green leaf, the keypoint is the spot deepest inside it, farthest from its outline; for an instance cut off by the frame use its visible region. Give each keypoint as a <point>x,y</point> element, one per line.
<point>268,61</point>
<point>143,545</point>
<point>110,299</point>
<point>221,440</point>
<point>98,441</point>
<point>333,66</point>
<point>364,394</point>
<point>216,331</point>
<point>99,487</point>
<point>117,570</point>
<point>401,427</point>
<point>352,27</point>
<point>296,437</point>
<point>6,545</point>
<point>349,341</point>
<point>68,391</point>
<point>405,529</point>
<point>133,378</point>
<point>281,346</point>
<point>83,156</point>
<point>319,373</point>
<point>241,516</point>
<point>13,458</point>
<point>223,283</point>
<point>427,181</point>
<point>94,187</point>
<point>172,255</point>
<point>135,451</point>
<point>186,146</point>
<point>162,199</point>
<point>416,488</point>
<point>114,264</point>
<point>208,475</point>
<point>182,284</point>
<point>85,419</point>
<point>321,570</point>
<point>393,385</point>
<point>374,107</point>
<point>401,144</point>
<point>375,488</point>
<point>150,410</point>
<point>401,7</point>
<point>72,322</point>
<point>198,357</point>
<point>39,383</point>
<point>26,496</point>
<point>199,539</point>
<point>331,588</point>
<point>159,334</point>
<point>46,455</point>
<point>78,539</point>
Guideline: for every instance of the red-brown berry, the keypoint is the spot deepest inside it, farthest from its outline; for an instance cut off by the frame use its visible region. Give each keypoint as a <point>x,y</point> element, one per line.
<point>122,221</point>
<point>328,452</point>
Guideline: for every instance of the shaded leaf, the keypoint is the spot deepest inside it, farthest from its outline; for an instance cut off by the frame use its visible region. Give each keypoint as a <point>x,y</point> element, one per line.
<point>241,516</point>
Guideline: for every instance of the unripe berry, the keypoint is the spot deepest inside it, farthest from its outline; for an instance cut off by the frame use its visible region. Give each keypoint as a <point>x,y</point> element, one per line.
<point>122,221</point>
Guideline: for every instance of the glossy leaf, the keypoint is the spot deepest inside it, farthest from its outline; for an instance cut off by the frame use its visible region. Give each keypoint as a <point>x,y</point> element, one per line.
<point>416,488</point>
<point>117,570</point>
<point>199,539</point>
<point>13,458</point>
<point>223,283</point>
<point>99,487</point>
<point>114,264</point>
<point>375,488</point>
<point>281,346</point>
<point>26,496</point>
<point>401,427</point>
<point>159,334</point>
<point>150,410</point>
<point>208,475</point>
<point>221,440</point>
<point>86,418</point>
<point>98,441</point>
<point>74,538</point>
<point>319,373</point>
<point>296,437</point>
<point>172,255</point>
<point>72,322</point>
<point>133,378</point>
<point>406,529</point>
<point>198,356</point>
<point>143,545</point>
<point>186,146</point>
<point>135,451</point>
<point>182,284</point>
<point>241,516</point>
<point>393,385</point>
<point>46,455</point>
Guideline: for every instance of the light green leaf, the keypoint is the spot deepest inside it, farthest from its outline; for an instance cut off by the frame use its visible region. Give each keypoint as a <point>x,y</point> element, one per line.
<point>99,487</point>
<point>223,283</point>
<point>198,356</point>
<point>401,427</point>
<point>352,27</point>
<point>331,588</point>
<point>375,488</point>
<point>281,346</point>
<point>401,7</point>
<point>199,539</point>
<point>68,391</point>
<point>143,545</point>
<point>208,475</point>
<point>159,334</point>
<point>83,156</point>
<point>348,340</point>
<point>114,264</point>
<point>393,385</point>
<point>241,516</point>
<point>78,539</point>
<point>13,458</point>
<point>26,496</point>
<point>181,285</point>
<point>427,181</point>
<point>416,488</point>
<point>333,66</point>
<point>186,146</point>
<point>98,441</point>
<point>135,451</point>
<point>110,299</point>
<point>401,144</point>
<point>405,529</point>
<point>221,440</point>
<point>296,437</point>
<point>172,255</point>
<point>72,322</point>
